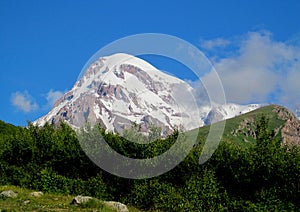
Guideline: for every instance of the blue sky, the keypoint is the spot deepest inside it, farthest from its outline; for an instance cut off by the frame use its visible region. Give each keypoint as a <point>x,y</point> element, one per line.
<point>254,45</point>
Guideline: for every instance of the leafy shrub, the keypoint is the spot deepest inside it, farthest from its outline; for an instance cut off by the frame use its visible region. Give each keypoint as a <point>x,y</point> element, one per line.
<point>97,188</point>
<point>48,181</point>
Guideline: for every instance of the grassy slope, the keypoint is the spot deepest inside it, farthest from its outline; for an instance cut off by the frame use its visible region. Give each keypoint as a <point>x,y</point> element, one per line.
<point>233,123</point>
<point>47,202</point>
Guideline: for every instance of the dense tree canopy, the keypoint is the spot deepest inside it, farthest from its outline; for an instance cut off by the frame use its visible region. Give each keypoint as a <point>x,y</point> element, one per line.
<point>263,176</point>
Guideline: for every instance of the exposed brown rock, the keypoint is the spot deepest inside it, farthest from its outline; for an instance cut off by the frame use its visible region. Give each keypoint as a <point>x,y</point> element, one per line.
<point>291,130</point>
<point>246,128</point>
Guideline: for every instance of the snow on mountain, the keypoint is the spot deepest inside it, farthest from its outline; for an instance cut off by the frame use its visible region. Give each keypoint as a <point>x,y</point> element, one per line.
<point>118,90</point>
<point>121,89</point>
<point>227,111</point>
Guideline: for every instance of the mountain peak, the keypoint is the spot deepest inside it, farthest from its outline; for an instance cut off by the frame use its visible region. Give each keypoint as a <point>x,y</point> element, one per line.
<point>119,90</point>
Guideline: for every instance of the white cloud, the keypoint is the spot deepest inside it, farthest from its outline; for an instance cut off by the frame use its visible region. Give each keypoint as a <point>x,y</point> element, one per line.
<point>290,88</point>
<point>260,70</point>
<point>53,96</point>
<point>23,101</point>
<point>214,43</point>
<point>199,92</point>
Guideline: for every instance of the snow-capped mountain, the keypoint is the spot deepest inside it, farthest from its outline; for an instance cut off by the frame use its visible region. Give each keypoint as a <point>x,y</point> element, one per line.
<point>119,90</point>
<point>227,111</point>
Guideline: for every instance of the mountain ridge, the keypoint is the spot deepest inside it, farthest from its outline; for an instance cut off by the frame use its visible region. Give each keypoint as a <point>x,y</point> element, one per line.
<point>282,121</point>
<point>121,89</point>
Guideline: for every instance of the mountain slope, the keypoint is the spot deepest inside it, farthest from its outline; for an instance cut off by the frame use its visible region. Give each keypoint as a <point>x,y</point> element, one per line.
<point>227,111</point>
<point>241,129</point>
<point>119,90</point>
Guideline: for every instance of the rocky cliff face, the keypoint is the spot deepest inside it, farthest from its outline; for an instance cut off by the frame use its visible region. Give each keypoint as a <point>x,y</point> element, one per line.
<point>290,131</point>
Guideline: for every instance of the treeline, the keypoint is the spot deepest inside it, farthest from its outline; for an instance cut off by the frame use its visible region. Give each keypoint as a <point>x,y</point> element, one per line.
<point>263,176</point>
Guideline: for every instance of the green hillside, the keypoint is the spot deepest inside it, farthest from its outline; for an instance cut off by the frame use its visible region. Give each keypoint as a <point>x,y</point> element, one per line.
<point>7,129</point>
<point>241,137</point>
<point>246,172</point>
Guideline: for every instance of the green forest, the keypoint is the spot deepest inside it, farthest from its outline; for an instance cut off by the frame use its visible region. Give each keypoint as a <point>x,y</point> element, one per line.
<point>261,176</point>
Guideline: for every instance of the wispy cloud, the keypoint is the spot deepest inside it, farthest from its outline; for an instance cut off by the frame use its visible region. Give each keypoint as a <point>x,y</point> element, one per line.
<point>214,43</point>
<point>52,96</point>
<point>259,69</point>
<point>24,102</point>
